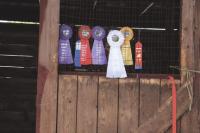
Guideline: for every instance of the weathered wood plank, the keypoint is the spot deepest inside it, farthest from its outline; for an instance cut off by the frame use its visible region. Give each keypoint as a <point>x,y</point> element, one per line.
<point>87,104</point>
<point>18,49</point>
<point>187,43</point>
<point>67,102</point>
<point>18,86</point>
<point>149,98</point>
<point>18,61</point>
<point>166,93</point>
<point>161,120</point>
<point>47,67</point>
<point>178,126</point>
<point>128,105</point>
<point>18,72</point>
<point>108,105</point>
<point>166,90</point>
<point>191,122</point>
<point>28,38</point>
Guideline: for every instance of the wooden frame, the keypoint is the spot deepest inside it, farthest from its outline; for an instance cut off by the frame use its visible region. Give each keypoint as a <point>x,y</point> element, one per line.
<point>47,67</point>
<point>47,88</point>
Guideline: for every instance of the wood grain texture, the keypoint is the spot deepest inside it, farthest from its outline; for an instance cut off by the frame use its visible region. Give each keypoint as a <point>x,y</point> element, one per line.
<point>166,90</point>
<point>178,126</point>
<point>87,104</point>
<point>67,101</point>
<point>128,105</point>
<point>161,120</point>
<point>166,93</point>
<point>187,43</point>
<point>149,98</point>
<point>191,121</point>
<point>17,61</point>
<point>108,105</point>
<point>47,67</point>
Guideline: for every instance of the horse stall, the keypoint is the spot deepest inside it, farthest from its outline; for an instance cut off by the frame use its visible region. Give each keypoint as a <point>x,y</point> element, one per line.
<point>85,99</point>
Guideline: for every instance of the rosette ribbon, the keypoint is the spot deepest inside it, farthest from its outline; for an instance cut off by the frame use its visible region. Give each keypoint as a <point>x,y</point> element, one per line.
<point>65,54</point>
<point>98,50</point>
<point>115,68</point>
<point>85,55</point>
<point>77,54</point>
<point>126,47</point>
<point>138,55</point>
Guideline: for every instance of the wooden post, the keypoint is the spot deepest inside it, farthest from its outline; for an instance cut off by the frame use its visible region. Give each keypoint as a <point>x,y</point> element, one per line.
<point>47,67</point>
<point>190,121</point>
<point>187,43</point>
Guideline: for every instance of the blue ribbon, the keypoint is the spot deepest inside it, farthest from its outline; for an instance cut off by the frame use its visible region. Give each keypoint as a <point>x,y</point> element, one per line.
<point>77,54</point>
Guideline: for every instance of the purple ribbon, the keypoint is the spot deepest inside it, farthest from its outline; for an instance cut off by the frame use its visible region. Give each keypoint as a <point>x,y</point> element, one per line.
<point>65,54</point>
<point>98,50</point>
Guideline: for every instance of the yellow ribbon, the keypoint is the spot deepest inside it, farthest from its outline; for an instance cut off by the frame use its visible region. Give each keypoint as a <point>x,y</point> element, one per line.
<point>126,47</point>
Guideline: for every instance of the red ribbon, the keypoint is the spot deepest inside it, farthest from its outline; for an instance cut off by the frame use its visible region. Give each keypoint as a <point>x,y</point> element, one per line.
<point>85,54</point>
<point>138,55</point>
<point>172,81</point>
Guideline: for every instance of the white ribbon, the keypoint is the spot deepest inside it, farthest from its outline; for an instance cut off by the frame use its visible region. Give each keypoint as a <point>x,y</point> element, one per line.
<point>115,67</point>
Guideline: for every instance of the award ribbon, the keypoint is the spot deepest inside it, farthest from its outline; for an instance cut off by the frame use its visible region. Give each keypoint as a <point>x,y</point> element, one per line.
<point>138,55</point>
<point>65,54</point>
<point>98,50</point>
<point>85,55</point>
<point>115,68</point>
<point>126,47</point>
<point>77,54</point>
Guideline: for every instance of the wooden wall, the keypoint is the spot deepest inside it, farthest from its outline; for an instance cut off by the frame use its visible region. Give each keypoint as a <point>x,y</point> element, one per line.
<point>89,104</point>
<point>84,104</point>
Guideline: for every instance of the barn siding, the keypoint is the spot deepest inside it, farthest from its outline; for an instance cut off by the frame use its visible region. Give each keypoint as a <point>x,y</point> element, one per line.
<point>191,121</point>
<point>106,117</point>
<point>47,90</point>
<point>89,104</point>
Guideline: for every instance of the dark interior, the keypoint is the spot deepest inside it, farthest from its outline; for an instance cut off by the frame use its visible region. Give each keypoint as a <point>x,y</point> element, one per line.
<point>18,65</point>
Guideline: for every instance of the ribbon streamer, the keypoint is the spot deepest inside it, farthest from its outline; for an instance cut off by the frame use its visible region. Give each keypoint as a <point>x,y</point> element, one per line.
<point>65,54</point>
<point>172,81</point>
<point>138,55</point>
<point>115,68</point>
<point>85,55</point>
<point>98,50</point>
<point>77,54</point>
<point>126,47</point>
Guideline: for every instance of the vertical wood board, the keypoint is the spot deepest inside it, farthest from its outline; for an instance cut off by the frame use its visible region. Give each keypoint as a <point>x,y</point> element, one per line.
<point>47,67</point>
<point>128,105</point>
<point>67,101</point>
<point>108,105</point>
<point>87,104</point>
<point>149,98</point>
